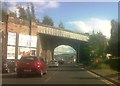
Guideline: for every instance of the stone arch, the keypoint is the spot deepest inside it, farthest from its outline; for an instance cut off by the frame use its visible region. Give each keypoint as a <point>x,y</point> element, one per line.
<point>71,56</point>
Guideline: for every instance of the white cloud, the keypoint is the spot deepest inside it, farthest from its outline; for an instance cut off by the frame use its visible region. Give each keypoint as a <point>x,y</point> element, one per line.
<point>52,4</point>
<point>64,49</point>
<point>95,24</point>
<point>40,5</point>
<point>62,0</point>
<point>45,5</point>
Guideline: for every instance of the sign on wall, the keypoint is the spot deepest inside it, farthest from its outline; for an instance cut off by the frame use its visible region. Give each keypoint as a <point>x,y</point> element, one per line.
<point>27,41</point>
<point>10,52</point>
<point>33,41</point>
<point>11,38</point>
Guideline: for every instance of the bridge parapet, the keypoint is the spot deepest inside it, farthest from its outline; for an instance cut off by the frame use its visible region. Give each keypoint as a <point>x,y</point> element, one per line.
<point>61,33</point>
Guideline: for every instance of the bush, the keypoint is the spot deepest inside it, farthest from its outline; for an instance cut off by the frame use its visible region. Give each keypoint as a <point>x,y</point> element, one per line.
<point>103,66</point>
<point>113,63</point>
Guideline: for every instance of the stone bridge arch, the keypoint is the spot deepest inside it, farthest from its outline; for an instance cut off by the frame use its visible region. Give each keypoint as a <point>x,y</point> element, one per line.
<point>47,43</point>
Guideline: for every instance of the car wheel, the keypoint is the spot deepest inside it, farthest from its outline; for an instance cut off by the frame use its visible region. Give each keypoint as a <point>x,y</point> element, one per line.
<point>18,75</point>
<point>45,72</point>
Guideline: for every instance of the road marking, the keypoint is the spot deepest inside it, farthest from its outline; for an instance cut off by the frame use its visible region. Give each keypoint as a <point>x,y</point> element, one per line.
<point>102,79</point>
<point>108,82</point>
<point>49,78</point>
<point>93,74</point>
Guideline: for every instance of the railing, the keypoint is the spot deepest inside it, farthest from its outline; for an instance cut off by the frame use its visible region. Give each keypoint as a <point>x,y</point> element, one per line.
<point>61,33</point>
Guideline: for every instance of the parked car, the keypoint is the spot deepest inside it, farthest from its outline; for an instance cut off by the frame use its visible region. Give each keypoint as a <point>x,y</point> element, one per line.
<point>12,65</point>
<point>61,62</point>
<point>31,65</point>
<point>53,63</point>
<point>5,68</point>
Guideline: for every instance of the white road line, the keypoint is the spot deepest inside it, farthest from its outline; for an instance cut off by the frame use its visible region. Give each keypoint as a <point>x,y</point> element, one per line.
<point>49,78</point>
<point>106,81</point>
<point>102,79</point>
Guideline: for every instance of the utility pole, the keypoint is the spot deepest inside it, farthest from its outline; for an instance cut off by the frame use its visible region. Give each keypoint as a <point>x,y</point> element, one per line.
<point>6,37</point>
<point>30,22</point>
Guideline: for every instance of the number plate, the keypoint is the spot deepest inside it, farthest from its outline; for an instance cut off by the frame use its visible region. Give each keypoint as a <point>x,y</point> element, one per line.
<point>27,70</point>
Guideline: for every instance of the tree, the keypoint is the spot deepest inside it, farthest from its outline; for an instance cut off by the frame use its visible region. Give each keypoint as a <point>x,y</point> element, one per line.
<point>22,12</point>
<point>114,42</point>
<point>96,46</point>
<point>4,9</point>
<point>61,25</point>
<point>32,12</point>
<point>12,14</point>
<point>118,39</point>
<point>28,12</point>
<point>47,21</point>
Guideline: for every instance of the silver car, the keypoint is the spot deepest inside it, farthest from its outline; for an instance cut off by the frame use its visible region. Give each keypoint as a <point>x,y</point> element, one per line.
<point>53,63</point>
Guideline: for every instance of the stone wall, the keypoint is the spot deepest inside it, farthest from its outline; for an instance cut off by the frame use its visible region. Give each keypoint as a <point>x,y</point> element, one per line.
<point>19,27</point>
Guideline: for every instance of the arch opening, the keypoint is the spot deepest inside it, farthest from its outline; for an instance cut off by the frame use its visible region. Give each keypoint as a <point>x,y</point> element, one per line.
<point>66,53</point>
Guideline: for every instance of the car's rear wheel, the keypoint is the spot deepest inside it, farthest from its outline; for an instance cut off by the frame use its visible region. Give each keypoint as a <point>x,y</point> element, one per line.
<point>19,74</point>
<point>45,72</point>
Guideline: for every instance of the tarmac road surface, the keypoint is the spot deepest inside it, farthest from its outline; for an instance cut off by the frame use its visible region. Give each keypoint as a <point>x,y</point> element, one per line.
<point>64,74</point>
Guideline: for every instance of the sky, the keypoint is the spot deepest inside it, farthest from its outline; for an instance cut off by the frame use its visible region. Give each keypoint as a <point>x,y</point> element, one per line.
<point>81,16</point>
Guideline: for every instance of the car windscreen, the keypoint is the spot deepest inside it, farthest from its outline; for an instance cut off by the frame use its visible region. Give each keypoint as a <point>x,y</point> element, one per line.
<point>28,59</point>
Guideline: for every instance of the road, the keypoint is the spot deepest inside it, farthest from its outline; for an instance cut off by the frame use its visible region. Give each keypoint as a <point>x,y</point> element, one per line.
<point>64,74</point>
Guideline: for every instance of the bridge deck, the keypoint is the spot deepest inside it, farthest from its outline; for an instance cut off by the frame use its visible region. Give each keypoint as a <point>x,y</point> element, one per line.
<point>62,33</point>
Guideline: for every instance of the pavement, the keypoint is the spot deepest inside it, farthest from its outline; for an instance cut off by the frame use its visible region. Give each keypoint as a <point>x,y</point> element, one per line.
<point>111,75</point>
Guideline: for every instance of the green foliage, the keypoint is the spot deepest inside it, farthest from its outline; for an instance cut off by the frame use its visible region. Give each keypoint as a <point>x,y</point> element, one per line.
<point>4,13</point>
<point>114,41</point>
<point>95,49</point>
<point>27,14</point>
<point>103,66</point>
<point>113,63</point>
<point>61,25</point>
<point>12,14</point>
<point>97,45</point>
<point>47,20</point>
<point>32,11</point>
<point>22,13</point>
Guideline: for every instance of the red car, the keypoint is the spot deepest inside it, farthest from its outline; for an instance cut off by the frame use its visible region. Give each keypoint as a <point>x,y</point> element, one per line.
<point>31,65</point>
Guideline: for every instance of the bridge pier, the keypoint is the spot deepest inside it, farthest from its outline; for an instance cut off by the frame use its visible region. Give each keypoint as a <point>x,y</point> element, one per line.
<point>44,49</point>
<point>81,56</point>
<point>52,54</point>
<point>78,54</point>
